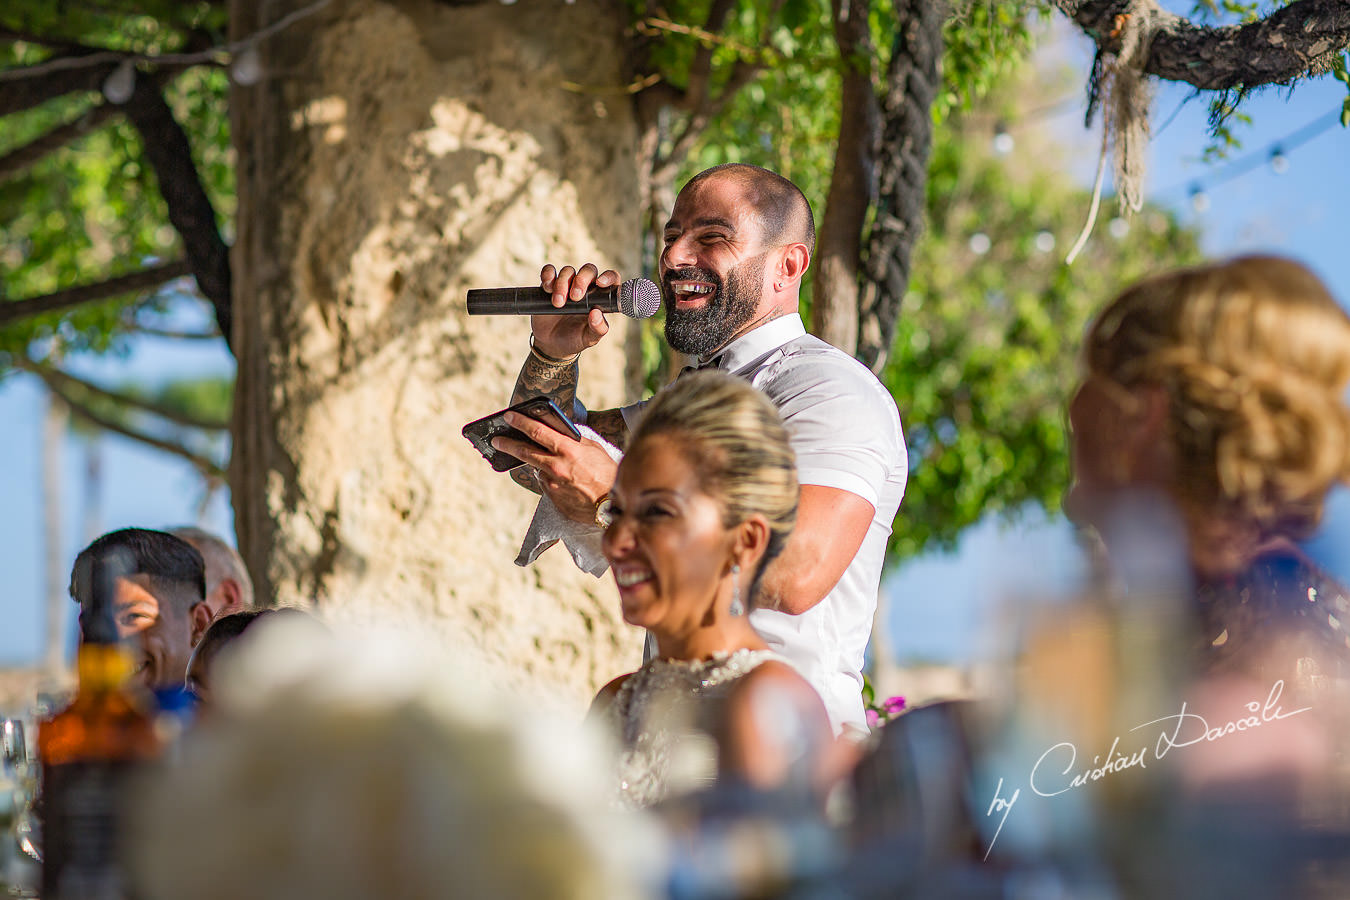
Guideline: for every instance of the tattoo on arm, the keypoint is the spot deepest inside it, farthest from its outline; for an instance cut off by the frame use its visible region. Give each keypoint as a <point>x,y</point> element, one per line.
<point>540,378</point>
<point>609,424</point>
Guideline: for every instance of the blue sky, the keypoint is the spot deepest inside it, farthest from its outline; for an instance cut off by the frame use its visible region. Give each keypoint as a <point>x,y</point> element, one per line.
<point>936,603</point>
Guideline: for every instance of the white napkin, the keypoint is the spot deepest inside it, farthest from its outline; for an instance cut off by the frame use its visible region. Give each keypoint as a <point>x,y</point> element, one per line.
<point>550,526</point>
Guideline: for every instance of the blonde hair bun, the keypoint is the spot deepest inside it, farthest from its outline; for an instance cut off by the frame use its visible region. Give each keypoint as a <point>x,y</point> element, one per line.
<point>1254,354</point>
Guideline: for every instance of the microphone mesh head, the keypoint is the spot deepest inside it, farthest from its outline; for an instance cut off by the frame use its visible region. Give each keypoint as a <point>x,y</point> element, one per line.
<point>639,298</point>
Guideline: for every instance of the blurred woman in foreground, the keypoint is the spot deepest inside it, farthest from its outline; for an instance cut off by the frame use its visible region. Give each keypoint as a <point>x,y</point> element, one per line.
<point>705,497</point>
<point>1222,389</point>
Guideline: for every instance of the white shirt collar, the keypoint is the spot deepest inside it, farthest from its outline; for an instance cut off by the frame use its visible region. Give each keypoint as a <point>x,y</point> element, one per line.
<point>759,341</point>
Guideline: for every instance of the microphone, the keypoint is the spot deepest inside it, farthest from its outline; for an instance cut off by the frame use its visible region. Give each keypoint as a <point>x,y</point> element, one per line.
<point>637,298</point>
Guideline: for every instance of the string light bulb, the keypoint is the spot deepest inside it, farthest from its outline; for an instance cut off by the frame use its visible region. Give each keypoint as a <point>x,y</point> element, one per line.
<point>1279,163</point>
<point>980,243</point>
<point>121,84</point>
<point>1045,241</point>
<point>1199,199</point>
<point>246,68</point>
<point>1003,141</point>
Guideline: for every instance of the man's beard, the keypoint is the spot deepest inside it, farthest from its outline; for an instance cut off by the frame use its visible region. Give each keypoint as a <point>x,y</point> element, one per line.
<point>703,330</point>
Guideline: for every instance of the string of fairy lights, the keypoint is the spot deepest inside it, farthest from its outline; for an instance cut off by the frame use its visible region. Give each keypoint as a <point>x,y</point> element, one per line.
<point>240,55</point>
<point>1276,155</point>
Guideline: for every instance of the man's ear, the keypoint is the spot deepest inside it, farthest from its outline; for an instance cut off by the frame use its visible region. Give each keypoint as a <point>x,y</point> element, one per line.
<point>232,598</point>
<point>201,618</point>
<point>792,264</point>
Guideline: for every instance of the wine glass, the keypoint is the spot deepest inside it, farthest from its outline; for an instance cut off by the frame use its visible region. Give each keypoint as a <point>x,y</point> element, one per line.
<point>18,783</point>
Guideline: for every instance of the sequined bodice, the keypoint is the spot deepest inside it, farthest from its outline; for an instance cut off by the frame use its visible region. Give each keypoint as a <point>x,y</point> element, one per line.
<point>1281,602</point>
<point>665,716</point>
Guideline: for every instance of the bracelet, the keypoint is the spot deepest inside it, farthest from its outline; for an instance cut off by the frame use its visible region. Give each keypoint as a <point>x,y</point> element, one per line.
<point>551,361</point>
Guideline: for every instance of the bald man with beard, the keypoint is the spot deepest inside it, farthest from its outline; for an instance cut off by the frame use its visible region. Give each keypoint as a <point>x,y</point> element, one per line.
<point>735,249</point>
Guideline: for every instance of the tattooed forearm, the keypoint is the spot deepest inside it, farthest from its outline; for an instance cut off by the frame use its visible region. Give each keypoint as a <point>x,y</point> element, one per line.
<point>545,377</point>
<point>609,424</point>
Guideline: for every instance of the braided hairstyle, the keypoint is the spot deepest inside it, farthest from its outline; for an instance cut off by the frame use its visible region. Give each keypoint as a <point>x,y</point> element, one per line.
<point>1254,356</point>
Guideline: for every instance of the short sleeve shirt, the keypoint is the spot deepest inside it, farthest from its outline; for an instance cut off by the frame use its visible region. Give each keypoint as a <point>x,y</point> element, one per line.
<point>845,430</point>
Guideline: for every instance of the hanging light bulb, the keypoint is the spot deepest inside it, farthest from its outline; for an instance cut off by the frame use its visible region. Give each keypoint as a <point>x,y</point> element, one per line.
<point>1045,241</point>
<point>980,243</point>
<point>1199,199</point>
<point>1279,163</point>
<point>246,68</point>
<point>119,86</point>
<point>1119,228</point>
<point>1003,141</point>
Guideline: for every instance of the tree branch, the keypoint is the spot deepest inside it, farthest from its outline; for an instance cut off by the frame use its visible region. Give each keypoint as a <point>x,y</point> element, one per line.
<point>203,465</point>
<point>21,158</point>
<point>22,94</point>
<point>190,210</point>
<point>700,69</point>
<point>1301,39</point>
<point>53,375</point>
<point>171,334</point>
<point>707,109</point>
<point>154,276</point>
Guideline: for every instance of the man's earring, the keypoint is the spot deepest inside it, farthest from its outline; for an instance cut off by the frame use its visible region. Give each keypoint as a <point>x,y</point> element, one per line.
<point>737,608</point>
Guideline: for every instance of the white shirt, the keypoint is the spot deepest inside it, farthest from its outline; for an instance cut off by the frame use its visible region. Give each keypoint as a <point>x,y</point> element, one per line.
<point>845,430</point>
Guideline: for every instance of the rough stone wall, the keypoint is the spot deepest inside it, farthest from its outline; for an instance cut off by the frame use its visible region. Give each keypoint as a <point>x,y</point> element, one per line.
<point>397,154</point>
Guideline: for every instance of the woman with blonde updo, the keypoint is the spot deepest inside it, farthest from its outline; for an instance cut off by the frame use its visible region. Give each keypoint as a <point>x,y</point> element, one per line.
<point>705,497</point>
<point>1222,389</point>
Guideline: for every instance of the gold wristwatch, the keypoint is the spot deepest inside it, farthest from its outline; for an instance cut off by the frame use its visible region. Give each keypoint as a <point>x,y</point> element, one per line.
<point>604,511</point>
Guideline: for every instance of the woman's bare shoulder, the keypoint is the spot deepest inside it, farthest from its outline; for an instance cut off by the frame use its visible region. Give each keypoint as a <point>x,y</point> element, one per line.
<point>606,696</point>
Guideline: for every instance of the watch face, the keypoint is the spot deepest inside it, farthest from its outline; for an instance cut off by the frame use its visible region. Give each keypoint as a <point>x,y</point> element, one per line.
<point>603,515</point>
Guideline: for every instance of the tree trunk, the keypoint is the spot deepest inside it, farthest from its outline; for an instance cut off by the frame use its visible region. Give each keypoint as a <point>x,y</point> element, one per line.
<point>55,425</point>
<point>834,312</point>
<point>907,137</point>
<point>394,155</point>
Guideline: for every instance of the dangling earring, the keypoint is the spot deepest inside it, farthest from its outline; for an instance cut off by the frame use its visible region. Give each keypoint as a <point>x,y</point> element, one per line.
<point>737,608</point>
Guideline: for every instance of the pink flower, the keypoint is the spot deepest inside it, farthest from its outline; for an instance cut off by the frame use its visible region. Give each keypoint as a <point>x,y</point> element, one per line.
<point>873,719</point>
<point>893,705</point>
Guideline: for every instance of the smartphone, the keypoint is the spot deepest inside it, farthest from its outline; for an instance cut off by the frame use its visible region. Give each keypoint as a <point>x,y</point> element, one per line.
<point>481,431</point>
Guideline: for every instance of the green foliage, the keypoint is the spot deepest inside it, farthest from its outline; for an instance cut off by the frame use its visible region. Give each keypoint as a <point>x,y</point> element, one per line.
<point>985,355</point>
<point>92,210</point>
<point>1219,10</point>
<point>985,44</point>
<point>209,399</point>
<point>1341,72</point>
<point>1223,139</point>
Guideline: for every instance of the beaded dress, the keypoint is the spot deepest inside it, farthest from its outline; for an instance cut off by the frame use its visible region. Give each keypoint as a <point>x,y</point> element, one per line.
<point>1283,618</point>
<point>666,716</point>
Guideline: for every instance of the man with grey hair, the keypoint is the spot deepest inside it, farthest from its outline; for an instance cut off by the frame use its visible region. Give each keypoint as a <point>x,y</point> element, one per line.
<point>228,586</point>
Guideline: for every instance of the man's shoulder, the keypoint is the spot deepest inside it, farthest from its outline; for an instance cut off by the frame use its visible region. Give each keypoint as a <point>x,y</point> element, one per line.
<point>809,364</point>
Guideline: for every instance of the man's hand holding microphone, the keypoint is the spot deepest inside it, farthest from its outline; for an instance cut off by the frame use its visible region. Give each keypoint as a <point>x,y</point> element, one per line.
<point>575,475</point>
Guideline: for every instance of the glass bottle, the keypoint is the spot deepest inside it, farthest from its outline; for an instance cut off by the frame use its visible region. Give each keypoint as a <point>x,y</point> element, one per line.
<point>89,750</point>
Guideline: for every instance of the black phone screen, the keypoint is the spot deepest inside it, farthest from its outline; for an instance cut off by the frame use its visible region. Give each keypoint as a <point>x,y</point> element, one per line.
<point>481,431</point>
